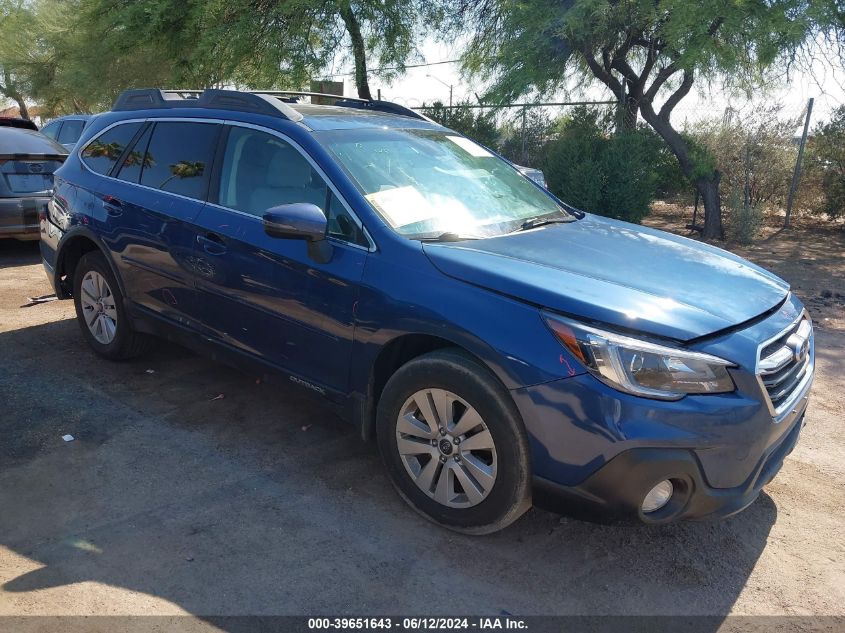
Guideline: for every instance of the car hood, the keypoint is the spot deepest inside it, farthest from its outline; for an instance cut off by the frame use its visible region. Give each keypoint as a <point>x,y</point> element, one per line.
<point>617,273</point>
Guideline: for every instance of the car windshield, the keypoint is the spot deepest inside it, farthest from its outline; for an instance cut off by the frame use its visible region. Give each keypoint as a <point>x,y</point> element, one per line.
<point>429,183</point>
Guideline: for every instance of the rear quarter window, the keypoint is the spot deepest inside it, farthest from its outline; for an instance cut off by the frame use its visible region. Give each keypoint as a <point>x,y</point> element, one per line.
<point>101,154</point>
<point>52,129</point>
<point>71,131</point>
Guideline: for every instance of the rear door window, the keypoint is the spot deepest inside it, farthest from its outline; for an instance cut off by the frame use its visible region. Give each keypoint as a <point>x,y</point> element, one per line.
<point>52,129</point>
<point>71,131</point>
<point>179,157</point>
<point>133,163</point>
<point>101,154</point>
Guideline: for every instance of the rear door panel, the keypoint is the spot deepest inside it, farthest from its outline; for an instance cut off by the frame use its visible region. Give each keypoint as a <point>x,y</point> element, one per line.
<point>150,228</point>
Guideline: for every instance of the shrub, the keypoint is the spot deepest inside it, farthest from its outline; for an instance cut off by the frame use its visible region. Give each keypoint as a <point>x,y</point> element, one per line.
<point>571,161</point>
<point>474,123</point>
<point>745,218</point>
<point>754,152</point>
<point>592,169</point>
<point>825,165</point>
<point>526,151</point>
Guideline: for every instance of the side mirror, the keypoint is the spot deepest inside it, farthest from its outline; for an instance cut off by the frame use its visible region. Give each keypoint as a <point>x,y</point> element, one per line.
<point>300,221</point>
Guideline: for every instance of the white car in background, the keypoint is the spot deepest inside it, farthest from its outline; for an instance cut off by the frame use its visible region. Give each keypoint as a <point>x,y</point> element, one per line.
<point>536,175</point>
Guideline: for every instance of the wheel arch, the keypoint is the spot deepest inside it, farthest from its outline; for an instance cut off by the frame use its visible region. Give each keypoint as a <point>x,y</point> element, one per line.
<point>75,244</point>
<point>396,353</point>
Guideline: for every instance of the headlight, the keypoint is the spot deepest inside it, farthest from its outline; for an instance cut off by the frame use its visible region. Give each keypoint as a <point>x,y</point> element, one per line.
<point>639,367</point>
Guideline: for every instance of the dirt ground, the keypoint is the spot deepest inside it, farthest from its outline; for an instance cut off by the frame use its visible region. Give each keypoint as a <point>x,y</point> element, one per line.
<point>173,500</point>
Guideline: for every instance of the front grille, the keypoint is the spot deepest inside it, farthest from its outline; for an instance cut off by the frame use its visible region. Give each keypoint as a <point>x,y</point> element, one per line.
<point>786,365</point>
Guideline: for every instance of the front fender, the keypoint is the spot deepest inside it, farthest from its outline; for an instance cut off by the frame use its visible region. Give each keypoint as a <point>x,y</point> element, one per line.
<point>508,336</point>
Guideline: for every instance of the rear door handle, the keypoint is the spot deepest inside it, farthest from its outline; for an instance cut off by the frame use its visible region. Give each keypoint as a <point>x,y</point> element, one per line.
<point>113,206</point>
<point>212,243</point>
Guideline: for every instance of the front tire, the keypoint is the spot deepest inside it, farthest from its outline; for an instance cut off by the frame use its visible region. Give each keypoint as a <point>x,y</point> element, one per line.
<point>454,444</point>
<point>100,312</point>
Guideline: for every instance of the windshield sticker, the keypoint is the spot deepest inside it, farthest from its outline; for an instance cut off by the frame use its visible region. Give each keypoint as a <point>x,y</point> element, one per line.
<point>474,149</point>
<point>401,205</point>
<point>404,206</point>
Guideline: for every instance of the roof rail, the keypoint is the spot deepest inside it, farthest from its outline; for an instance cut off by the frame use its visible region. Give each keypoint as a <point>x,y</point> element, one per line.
<point>271,102</point>
<point>381,106</point>
<point>350,102</point>
<point>154,98</point>
<point>302,93</point>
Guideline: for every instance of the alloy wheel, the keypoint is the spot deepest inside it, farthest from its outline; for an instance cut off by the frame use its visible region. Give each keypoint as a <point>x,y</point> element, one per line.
<point>98,307</point>
<point>446,448</point>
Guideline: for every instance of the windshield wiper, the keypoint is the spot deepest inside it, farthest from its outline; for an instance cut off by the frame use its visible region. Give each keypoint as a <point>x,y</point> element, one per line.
<point>447,236</point>
<point>534,223</point>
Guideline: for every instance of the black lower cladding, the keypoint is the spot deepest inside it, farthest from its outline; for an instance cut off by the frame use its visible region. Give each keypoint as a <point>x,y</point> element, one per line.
<point>616,490</point>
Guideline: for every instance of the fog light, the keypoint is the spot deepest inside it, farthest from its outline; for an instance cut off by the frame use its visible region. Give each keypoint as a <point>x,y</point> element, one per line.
<point>658,496</point>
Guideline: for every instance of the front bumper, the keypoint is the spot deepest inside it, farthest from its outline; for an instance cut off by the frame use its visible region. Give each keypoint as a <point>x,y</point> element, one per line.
<point>19,217</point>
<point>616,490</point>
<point>600,448</point>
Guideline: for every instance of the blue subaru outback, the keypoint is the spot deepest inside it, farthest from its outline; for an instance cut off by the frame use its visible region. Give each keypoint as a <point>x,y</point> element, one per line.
<point>500,346</point>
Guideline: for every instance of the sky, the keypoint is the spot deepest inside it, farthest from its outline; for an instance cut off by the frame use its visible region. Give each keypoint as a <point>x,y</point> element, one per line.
<point>825,82</point>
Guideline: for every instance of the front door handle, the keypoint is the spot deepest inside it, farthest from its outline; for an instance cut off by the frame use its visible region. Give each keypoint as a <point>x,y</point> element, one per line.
<point>112,206</point>
<point>212,243</point>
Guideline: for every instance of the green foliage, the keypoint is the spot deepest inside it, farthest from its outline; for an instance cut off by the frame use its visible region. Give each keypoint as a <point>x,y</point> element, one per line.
<point>703,161</point>
<point>527,44</point>
<point>474,123</point>
<point>745,218</point>
<point>652,51</point>
<point>65,59</point>
<point>523,137</point>
<point>267,44</point>
<point>669,178</point>
<point>77,55</point>
<point>826,162</point>
<point>572,160</point>
<point>16,33</point>
<point>629,173</point>
<point>754,152</point>
<point>613,175</point>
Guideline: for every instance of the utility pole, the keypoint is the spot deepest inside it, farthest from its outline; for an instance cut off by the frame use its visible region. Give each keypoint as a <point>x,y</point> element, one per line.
<point>449,86</point>
<point>524,156</point>
<point>796,175</point>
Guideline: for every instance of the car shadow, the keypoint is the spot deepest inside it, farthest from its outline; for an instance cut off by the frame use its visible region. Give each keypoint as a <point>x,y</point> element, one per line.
<point>192,483</point>
<point>19,253</point>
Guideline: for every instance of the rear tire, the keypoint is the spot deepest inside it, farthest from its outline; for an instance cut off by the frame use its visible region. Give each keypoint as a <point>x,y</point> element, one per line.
<point>454,444</point>
<point>100,311</point>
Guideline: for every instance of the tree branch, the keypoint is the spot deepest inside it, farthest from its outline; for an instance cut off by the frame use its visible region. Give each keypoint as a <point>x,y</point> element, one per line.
<point>660,79</point>
<point>601,74</point>
<point>629,73</point>
<point>675,97</point>
<point>714,26</point>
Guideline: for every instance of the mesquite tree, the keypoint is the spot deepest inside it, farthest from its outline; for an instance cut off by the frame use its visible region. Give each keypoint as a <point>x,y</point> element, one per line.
<point>649,53</point>
<point>15,84</point>
<point>264,43</point>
